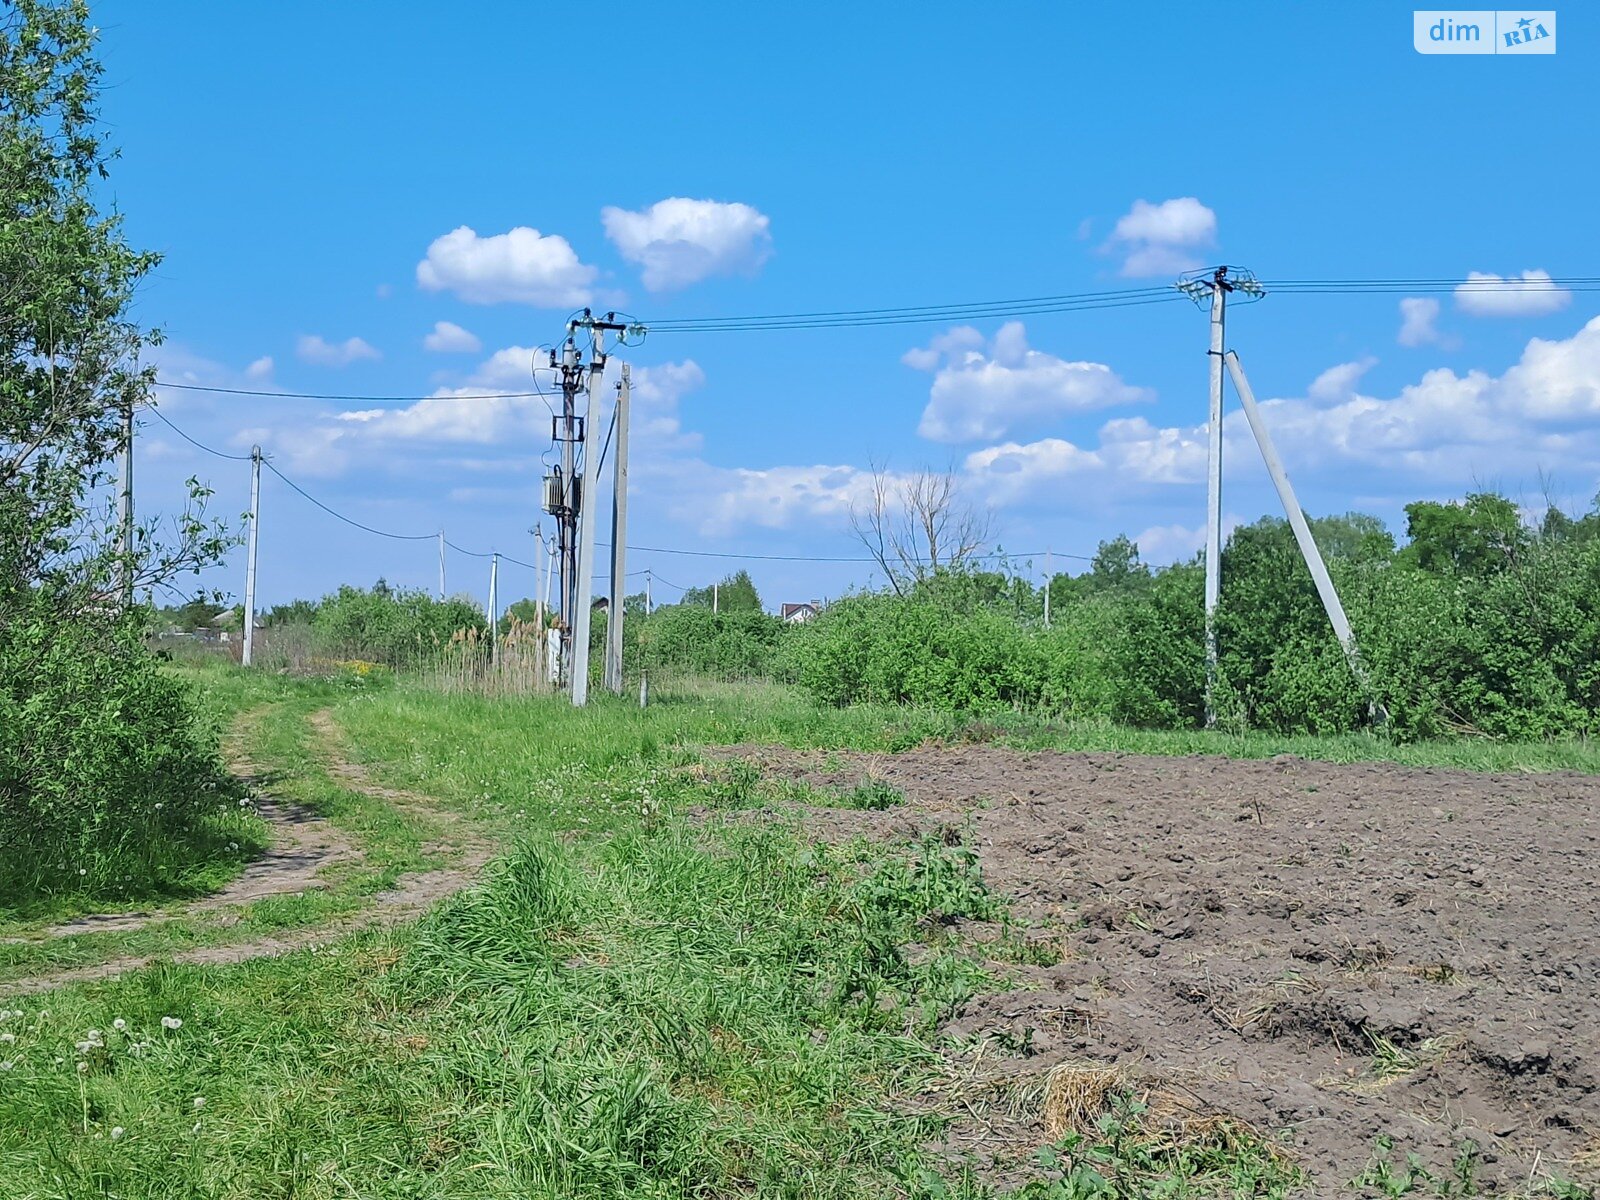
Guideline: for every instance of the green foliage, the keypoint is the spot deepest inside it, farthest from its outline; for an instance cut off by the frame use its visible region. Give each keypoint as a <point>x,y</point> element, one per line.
<point>738,644</point>
<point>106,787</point>
<point>1478,626</point>
<point>735,594</point>
<point>295,612</point>
<point>396,627</point>
<point>109,785</point>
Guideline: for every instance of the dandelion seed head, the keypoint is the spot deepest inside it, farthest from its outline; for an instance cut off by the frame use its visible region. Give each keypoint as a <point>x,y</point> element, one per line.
<point>119,1025</point>
<point>171,1023</point>
<point>117,1131</point>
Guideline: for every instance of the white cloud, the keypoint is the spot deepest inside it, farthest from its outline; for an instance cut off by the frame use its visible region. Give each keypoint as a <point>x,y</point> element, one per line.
<point>313,348</point>
<point>1161,544</point>
<point>469,414</point>
<point>1009,472</point>
<point>1338,382</point>
<point>977,396</point>
<point>1532,294</point>
<point>772,498</point>
<point>679,241</point>
<point>521,266</point>
<point>260,369</point>
<point>1417,318</point>
<point>449,338</point>
<point>1161,239</point>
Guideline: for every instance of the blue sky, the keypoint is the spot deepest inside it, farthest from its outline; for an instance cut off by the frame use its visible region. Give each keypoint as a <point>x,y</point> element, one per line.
<point>331,183</point>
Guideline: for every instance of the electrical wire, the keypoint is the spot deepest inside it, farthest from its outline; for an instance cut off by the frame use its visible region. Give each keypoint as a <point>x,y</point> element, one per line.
<point>192,441</point>
<point>222,391</point>
<point>399,537</point>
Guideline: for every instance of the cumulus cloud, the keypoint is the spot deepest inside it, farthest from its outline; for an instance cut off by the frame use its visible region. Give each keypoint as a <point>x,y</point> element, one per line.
<point>1162,239</point>
<point>1532,294</point>
<point>1340,381</point>
<point>1161,544</point>
<point>1417,321</point>
<point>471,414</point>
<point>1011,471</point>
<point>775,497</point>
<point>520,266</point>
<point>978,395</point>
<point>260,369</point>
<point>313,348</point>
<point>678,241</point>
<point>449,338</point>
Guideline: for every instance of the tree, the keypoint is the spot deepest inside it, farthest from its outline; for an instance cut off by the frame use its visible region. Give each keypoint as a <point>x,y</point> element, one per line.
<point>917,525</point>
<point>69,353</point>
<point>736,593</point>
<point>1478,536</point>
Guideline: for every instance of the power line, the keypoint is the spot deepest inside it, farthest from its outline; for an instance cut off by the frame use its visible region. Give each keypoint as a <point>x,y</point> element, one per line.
<point>195,387</point>
<point>399,537</point>
<point>192,441</point>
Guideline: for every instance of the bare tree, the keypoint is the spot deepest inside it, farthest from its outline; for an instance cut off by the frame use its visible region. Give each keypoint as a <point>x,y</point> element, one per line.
<point>917,525</point>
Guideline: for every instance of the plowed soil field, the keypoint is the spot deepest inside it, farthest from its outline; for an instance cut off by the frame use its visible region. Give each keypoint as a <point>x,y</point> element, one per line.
<point>1331,952</point>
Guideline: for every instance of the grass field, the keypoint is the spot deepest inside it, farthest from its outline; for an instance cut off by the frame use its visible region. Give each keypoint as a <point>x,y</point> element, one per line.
<point>633,1002</point>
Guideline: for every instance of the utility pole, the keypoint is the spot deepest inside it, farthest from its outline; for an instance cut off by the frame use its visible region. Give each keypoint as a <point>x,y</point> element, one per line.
<point>619,538</point>
<point>586,514</point>
<point>1047,589</point>
<point>494,609</point>
<point>441,566</point>
<point>649,579</point>
<point>1220,287</point>
<point>714,590</point>
<point>125,509</point>
<point>250,558</point>
<point>568,501</point>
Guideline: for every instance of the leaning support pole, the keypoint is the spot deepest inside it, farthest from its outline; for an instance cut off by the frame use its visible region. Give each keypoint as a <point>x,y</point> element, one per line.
<point>1302,531</point>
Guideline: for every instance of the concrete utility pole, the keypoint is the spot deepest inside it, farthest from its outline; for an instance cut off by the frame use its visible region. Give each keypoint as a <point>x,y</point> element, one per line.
<point>619,538</point>
<point>1302,531</point>
<point>250,558</point>
<point>494,609</point>
<point>714,590</point>
<point>125,509</point>
<point>441,565</point>
<point>566,513</point>
<point>1220,287</point>
<point>583,600</point>
<point>649,579</point>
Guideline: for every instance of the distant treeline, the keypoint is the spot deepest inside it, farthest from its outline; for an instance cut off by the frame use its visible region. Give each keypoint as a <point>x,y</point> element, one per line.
<point>1479,624</point>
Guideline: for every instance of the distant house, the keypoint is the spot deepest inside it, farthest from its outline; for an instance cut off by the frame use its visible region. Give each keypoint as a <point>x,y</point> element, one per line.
<point>799,614</point>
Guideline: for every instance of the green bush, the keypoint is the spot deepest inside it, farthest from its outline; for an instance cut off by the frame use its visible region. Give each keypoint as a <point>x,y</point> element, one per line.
<point>110,785</point>
<point>395,627</point>
<point>726,645</point>
<point>1475,627</point>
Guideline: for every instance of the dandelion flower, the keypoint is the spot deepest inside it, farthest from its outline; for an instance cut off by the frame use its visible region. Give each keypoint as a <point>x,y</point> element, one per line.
<point>171,1023</point>
<point>119,1025</point>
